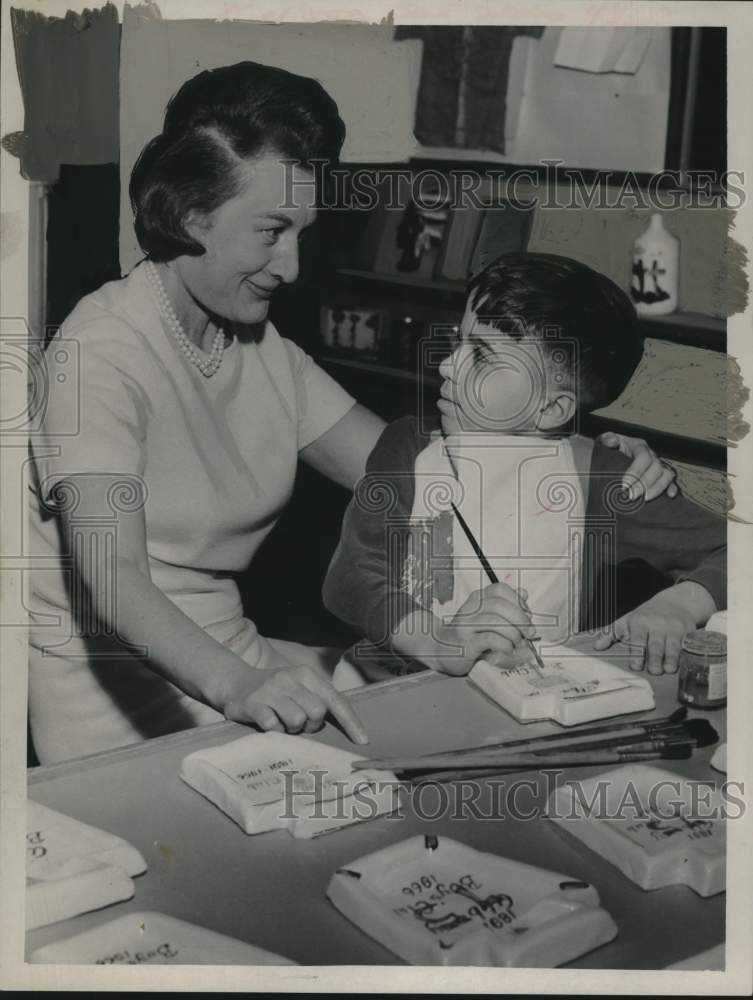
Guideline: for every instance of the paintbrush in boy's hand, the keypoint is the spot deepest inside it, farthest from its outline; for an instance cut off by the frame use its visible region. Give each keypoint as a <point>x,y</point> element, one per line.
<point>538,662</point>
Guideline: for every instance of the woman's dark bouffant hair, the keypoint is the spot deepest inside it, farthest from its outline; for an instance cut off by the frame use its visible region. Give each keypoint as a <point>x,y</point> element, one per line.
<point>568,305</point>
<point>215,121</point>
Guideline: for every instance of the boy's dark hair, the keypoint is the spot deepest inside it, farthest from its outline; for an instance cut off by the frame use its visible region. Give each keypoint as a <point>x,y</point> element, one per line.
<point>559,300</point>
<point>217,120</point>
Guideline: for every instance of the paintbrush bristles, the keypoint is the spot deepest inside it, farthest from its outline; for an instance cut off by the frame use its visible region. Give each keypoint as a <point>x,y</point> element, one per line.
<point>702,732</point>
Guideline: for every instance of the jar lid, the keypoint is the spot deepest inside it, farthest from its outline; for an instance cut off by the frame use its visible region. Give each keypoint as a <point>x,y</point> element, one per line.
<point>705,642</point>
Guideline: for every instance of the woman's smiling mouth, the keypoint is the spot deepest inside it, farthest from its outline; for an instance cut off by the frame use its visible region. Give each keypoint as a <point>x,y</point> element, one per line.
<point>259,291</point>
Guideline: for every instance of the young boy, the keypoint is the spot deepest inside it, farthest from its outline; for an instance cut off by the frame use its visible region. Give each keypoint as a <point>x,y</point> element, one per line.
<point>543,339</point>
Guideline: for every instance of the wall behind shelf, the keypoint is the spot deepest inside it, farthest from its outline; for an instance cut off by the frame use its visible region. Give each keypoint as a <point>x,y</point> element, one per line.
<point>712,277</point>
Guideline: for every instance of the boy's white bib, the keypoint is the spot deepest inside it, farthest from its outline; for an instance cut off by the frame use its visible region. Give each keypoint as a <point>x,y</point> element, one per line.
<point>523,500</point>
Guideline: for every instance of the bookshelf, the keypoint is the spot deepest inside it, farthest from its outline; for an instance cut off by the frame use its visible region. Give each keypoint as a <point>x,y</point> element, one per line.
<point>394,373</point>
<point>691,328</point>
<point>393,386</point>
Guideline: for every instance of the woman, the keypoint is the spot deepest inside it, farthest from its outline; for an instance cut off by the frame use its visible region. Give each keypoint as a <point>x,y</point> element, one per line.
<point>168,462</point>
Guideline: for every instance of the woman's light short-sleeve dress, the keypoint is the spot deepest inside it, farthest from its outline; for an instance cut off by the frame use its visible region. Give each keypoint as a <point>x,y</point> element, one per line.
<point>213,460</point>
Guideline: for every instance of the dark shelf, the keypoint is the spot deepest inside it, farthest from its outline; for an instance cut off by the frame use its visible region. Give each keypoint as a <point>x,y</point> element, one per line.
<point>693,329</point>
<point>690,320</point>
<point>444,285</point>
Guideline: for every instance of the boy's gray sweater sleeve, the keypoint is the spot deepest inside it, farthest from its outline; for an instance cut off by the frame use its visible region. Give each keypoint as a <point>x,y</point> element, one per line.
<point>362,586</point>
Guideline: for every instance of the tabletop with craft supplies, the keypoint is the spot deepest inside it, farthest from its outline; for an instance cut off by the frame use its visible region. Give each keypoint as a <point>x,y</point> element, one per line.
<point>485,857</point>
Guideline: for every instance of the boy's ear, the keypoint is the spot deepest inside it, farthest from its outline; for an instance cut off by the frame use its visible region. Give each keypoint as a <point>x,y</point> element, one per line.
<point>559,410</point>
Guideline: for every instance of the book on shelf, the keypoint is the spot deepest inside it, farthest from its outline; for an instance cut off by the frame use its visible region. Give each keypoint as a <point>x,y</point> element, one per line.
<point>504,229</point>
<point>367,239</point>
<point>463,230</point>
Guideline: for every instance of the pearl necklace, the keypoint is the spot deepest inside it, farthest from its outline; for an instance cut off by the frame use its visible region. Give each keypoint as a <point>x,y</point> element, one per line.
<point>207,366</point>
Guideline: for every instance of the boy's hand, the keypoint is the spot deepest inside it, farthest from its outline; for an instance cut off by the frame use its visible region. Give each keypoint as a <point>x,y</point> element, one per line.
<point>293,700</point>
<point>657,626</point>
<point>491,624</point>
<point>647,474</point>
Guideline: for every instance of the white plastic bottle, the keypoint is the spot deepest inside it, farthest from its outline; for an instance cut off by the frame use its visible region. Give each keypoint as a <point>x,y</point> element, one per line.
<point>656,270</point>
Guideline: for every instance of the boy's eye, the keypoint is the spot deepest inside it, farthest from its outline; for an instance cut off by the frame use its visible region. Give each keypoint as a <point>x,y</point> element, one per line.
<point>481,352</point>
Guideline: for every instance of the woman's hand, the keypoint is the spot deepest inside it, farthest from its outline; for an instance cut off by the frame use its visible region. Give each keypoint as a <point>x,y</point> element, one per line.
<point>293,700</point>
<point>656,627</point>
<point>647,475</point>
<point>492,624</point>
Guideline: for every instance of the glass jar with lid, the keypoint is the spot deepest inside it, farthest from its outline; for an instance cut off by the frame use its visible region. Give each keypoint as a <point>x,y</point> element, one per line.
<point>702,681</point>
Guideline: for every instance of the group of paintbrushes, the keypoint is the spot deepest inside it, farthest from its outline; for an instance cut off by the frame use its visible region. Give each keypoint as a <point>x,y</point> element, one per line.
<point>673,737</point>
